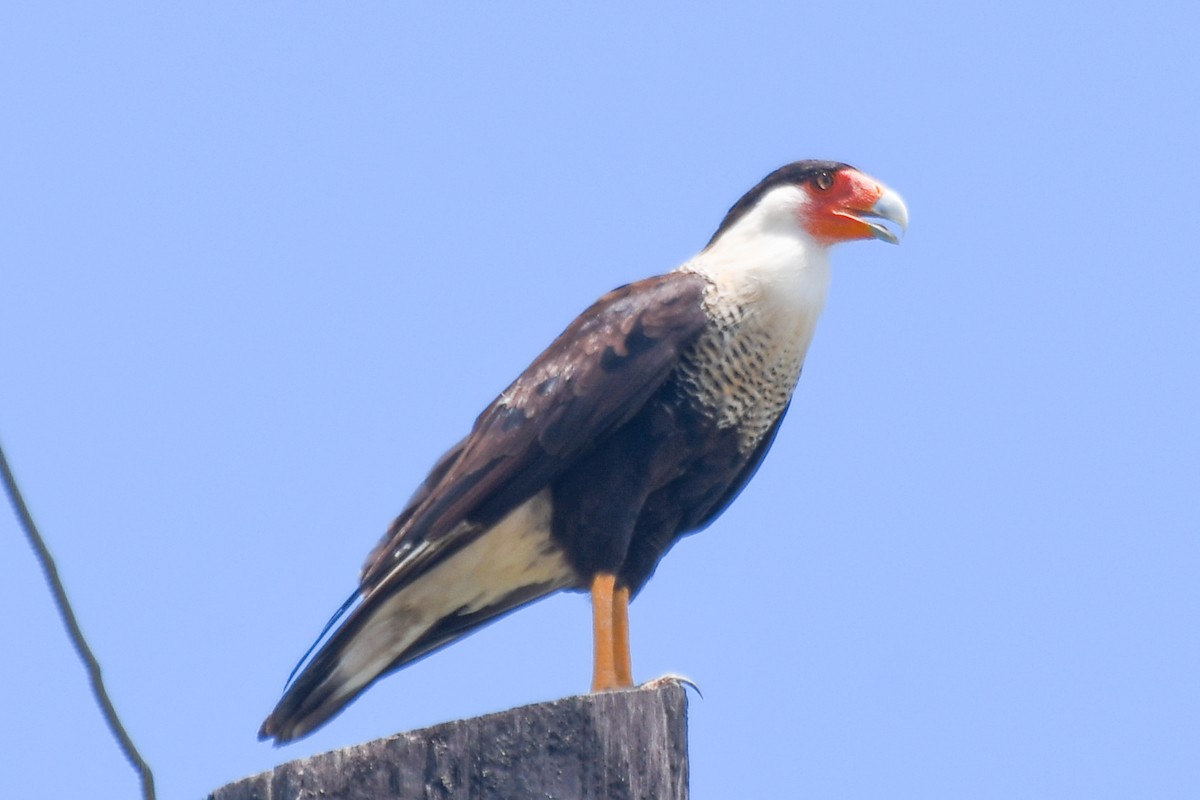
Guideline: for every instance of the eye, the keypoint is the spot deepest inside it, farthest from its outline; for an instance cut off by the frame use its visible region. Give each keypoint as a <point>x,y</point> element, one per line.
<point>823,180</point>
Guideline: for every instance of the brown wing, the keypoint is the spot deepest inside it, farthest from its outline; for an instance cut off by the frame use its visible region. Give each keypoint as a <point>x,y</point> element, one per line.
<point>597,374</point>
<point>591,380</point>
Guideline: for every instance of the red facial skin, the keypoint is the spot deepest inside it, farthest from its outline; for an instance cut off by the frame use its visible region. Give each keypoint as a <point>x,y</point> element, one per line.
<point>833,214</point>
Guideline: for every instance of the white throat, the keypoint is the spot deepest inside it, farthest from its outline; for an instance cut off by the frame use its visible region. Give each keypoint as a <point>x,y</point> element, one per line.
<point>771,267</point>
<point>767,281</point>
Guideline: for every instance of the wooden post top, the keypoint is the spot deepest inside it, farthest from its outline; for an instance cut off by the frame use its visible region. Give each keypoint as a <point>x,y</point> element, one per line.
<point>624,745</point>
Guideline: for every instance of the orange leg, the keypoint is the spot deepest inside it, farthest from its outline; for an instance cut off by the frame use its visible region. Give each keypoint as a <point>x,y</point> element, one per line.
<point>610,630</point>
<point>604,672</point>
<point>621,660</point>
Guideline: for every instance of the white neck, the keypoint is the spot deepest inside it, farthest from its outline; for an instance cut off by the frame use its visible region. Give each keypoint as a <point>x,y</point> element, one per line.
<point>769,265</point>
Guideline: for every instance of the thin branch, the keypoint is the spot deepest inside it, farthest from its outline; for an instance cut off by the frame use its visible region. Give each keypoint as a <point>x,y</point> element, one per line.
<point>77,639</point>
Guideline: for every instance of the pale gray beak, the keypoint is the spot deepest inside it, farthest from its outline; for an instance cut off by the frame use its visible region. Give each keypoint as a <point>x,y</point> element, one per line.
<point>890,206</point>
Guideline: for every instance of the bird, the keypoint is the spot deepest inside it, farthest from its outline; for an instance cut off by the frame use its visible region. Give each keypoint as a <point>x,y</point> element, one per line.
<point>638,425</point>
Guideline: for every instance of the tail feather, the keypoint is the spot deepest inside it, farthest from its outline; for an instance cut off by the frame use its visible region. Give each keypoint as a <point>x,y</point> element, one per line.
<point>330,625</point>
<point>364,650</point>
<point>512,563</point>
<point>370,643</point>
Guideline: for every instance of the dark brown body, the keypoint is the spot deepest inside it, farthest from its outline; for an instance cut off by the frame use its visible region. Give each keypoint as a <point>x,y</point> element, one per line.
<point>632,460</point>
<point>603,421</point>
<point>667,472</point>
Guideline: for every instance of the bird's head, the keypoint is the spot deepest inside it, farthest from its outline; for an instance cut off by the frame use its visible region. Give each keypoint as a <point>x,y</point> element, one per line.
<point>828,201</point>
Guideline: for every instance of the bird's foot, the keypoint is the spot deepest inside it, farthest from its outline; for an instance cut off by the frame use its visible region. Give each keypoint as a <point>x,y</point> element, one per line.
<point>673,678</point>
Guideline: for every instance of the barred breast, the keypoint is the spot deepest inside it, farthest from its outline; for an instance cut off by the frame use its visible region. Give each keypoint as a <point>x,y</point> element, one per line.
<point>741,371</point>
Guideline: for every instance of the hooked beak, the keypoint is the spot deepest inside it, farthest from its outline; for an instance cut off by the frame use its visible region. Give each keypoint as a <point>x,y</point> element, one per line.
<point>847,210</point>
<point>889,206</point>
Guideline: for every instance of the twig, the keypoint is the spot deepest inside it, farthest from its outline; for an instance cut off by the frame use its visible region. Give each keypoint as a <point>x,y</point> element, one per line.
<point>77,639</point>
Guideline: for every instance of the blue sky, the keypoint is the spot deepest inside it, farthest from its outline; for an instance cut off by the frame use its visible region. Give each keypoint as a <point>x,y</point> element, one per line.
<point>262,263</point>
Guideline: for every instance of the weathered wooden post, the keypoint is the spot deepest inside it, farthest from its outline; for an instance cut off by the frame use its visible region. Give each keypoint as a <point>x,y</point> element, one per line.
<point>627,745</point>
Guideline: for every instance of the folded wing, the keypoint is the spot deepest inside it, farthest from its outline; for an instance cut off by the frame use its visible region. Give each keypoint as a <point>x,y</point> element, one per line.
<point>473,542</point>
